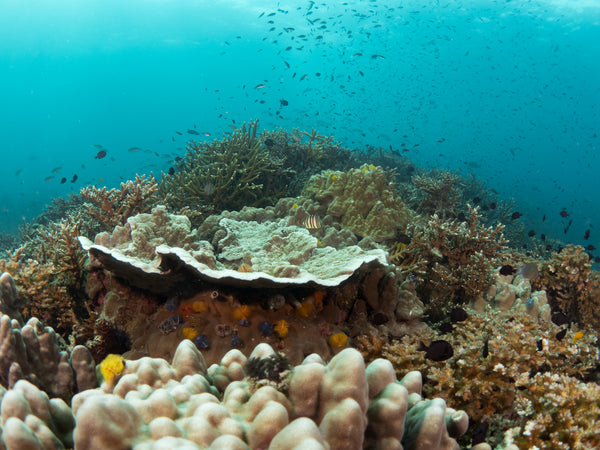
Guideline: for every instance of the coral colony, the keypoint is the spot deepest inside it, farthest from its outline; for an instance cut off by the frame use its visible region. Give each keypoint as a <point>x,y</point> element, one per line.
<point>276,290</point>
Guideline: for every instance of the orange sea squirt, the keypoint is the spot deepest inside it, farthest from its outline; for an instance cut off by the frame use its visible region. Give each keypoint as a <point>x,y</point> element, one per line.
<point>242,312</point>
<point>304,309</point>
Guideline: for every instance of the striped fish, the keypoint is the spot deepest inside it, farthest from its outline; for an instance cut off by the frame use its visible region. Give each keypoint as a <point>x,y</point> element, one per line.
<point>312,223</point>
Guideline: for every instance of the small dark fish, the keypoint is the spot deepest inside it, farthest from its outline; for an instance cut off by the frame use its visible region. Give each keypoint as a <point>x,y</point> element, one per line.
<point>18,172</point>
<point>561,334</point>
<point>568,226</point>
<point>485,351</point>
<point>507,270</point>
<point>529,271</point>
<point>303,76</point>
<point>544,218</point>
<point>379,318</point>
<point>259,86</point>
<point>101,154</point>
<point>63,180</point>
<point>74,179</point>
<point>458,315</point>
<point>134,150</point>
<point>193,132</point>
<point>564,213</point>
<point>531,233</point>
<point>48,178</point>
<point>586,236</point>
<point>283,102</point>
<point>445,327</point>
<point>438,350</point>
<point>559,318</point>
<point>171,171</point>
<point>286,64</point>
<point>179,133</point>
<point>543,237</point>
<point>480,433</point>
<point>377,57</point>
<point>56,169</point>
<point>590,248</point>
<point>516,215</point>
<point>97,145</point>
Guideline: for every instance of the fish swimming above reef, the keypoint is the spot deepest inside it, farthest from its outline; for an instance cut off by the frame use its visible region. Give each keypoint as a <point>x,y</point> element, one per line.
<point>529,271</point>
<point>101,154</point>
<point>438,350</point>
<point>312,223</point>
<point>190,131</point>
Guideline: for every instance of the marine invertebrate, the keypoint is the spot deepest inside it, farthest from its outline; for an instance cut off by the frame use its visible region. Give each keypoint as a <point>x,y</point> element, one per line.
<point>491,351</point>
<point>113,207</point>
<point>441,193</point>
<point>231,173</point>
<point>452,260</point>
<point>555,411</point>
<point>571,285</point>
<point>363,200</point>
<point>111,367</point>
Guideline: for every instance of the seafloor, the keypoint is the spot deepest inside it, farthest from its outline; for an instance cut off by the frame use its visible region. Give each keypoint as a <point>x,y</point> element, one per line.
<point>276,290</point>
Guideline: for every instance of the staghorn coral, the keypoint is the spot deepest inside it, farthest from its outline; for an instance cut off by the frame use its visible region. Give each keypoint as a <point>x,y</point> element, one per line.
<point>441,193</point>
<point>571,285</point>
<point>231,173</point>
<point>491,351</point>
<point>453,262</point>
<point>555,412</point>
<point>113,207</point>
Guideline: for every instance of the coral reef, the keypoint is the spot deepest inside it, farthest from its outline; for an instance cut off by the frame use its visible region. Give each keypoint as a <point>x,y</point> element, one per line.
<point>35,353</point>
<point>441,195</point>
<point>453,262</point>
<point>363,201</point>
<point>555,412</point>
<point>113,207</point>
<point>341,405</point>
<point>227,174</point>
<point>280,255</point>
<point>571,285</point>
<point>491,352</point>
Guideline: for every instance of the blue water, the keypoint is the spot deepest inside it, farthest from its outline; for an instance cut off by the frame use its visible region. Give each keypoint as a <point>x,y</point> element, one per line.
<point>507,90</point>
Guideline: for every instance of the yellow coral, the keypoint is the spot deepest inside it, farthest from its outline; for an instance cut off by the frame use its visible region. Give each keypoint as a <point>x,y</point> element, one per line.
<point>304,309</point>
<point>200,307</point>
<point>338,340</point>
<point>242,312</point>
<point>281,328</point>
<point>578,336</point>
<point>111,367</point>
<point>189,333</point>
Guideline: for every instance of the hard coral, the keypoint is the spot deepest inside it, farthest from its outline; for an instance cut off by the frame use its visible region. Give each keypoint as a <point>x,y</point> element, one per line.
<point>571,285</point>
<point>491,352</point>
<point>460,256</point>
<point>231,173</point>
<point>363,200</point>
<point>441,194</point>
<point>113,207</point>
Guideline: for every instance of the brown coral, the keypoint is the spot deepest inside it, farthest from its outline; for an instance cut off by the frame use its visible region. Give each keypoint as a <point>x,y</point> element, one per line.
<point>113,207</point>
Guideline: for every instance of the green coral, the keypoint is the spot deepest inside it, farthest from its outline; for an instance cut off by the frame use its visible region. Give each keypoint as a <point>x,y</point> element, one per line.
<point>363,200</point>
<point>231,173</point>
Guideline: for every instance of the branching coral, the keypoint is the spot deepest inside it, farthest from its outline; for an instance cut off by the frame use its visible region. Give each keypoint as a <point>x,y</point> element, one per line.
<point>231,173</point>
<point>113,207</point>
<point>451,260</point>
<point>441,193</point>
<point>571,285</point>
<point>556,412</point>
<point>491,351</point>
